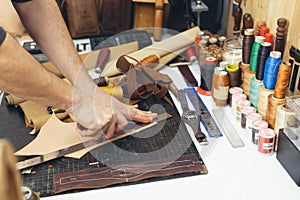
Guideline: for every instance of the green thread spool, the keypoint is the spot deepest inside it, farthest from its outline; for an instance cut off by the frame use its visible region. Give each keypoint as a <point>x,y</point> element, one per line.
<point>255,86</point>
<point>254,52</point>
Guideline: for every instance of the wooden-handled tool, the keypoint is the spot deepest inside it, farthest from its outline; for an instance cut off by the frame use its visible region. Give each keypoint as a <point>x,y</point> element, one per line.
<point>158,19</point>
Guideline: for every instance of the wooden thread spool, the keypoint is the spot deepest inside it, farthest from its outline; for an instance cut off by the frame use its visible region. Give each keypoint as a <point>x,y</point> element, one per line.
<point>258,26</point>
<point>249,119</point>
<point>257,125</point>
<point>283,79</point>
<point>246,86</point>
<point>273,103</point>
<point>220,87</point>
<point>263,101</point>
<point>244,68</point>
<point>284,117</point>
<point>10,187</point>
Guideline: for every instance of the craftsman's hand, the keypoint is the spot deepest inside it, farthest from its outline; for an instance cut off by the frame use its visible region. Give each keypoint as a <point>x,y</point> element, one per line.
<point>102,114</point>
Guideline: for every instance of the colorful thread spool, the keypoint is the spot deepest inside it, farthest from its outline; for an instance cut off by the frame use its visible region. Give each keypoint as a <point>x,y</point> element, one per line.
<point>246,110</point>
<point>255,86</point>
<point>234,75</point>
<point>266,141</point>
<point>273,103</point>
<point>257,125</point>
<point>249,119</point>
<point>271,69</point>
<point>220,87</point>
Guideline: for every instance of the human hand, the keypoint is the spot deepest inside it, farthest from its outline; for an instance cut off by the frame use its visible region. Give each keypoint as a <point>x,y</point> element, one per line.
<point>102,114</point>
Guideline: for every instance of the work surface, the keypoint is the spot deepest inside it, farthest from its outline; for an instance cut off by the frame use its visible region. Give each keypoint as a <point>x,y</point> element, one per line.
<point>233,174</point>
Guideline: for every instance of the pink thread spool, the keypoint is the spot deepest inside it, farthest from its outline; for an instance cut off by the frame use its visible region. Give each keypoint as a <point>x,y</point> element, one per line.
<point>249,119</point>
<point>235,99</point>
<point>239,106</point>
<point>245,111</point>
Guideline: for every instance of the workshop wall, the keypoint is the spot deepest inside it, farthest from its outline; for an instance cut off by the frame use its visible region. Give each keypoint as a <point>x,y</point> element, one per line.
<point>269,11</point>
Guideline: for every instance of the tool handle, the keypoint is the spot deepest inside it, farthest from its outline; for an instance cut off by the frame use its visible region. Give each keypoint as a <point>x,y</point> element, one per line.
<point>102,59</point>
<point>237,19</point>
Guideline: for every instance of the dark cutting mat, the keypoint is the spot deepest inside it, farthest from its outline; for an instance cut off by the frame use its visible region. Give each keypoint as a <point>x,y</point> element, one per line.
<point>169,139</point>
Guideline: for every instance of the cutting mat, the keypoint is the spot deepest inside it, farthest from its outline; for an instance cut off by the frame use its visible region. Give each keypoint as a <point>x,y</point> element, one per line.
<point>167,140</point>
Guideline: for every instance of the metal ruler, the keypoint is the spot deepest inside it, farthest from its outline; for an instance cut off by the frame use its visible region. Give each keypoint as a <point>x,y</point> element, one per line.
<point>130,129</point>
<point>228,129</point>
<point>206,118</point>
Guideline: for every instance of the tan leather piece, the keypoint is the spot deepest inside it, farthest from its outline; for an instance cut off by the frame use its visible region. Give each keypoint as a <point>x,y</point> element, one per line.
<point>36,115</point>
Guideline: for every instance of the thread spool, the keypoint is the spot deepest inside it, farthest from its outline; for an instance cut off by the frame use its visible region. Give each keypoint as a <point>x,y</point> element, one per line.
<point>235,99</point>
<point>207,70</point>
<point>246,86</point>
<point>266,140</point>
<point>220,87</point>
<point>271,69</point>
<point>255,86</point>
<point>239,106</point>
<point>248,41</point>
<point>257,125</point>
<point>263,100</point>
<point>282,82</point>
<point>249,119</point>
<point>223,65</point>
<point>264,30</point>
<point>190,53</point>
<point>273,103</point>
<point>258,26</point>
<point>246,110</point>
<point>244,68</point>
<point>234,75</point>
<point>263,53</point>
<point>280,35</point>
<point>197,41</point>
<point>270,38</point>
<point>232,91</point>
<point>254,52</point>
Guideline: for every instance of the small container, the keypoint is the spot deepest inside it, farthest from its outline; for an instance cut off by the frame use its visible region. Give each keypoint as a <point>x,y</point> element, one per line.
<point>249,119</point>
<point>266,141</point>
<point>239,106</point>
<point>232,91</point>
<point>257,125</point>
<point>245,111</point>
<point>235,99</point>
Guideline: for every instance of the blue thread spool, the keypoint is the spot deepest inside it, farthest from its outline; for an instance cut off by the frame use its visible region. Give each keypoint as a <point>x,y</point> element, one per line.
<point>271,69</point>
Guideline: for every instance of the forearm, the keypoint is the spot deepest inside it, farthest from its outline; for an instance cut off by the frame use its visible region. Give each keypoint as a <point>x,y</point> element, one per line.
<point>44,23</point>
<point>23,76</point>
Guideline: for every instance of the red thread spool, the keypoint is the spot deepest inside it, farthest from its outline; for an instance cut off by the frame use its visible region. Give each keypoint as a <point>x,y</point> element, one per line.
<point>263,31</point>
<point>270,38</point>
<point>266,141</point>
<point>190,53</point>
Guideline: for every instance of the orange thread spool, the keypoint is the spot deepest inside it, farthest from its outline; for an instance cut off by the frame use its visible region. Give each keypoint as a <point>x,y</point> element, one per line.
<point>283,79</point>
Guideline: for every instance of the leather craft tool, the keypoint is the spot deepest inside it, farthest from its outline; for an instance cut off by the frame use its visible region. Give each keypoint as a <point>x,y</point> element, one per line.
<point>102,59</point>
<point>227,127</point>
<point>206,118</point>
<point>130,129</point>
<point>1,96</point>
<point>192,118</point>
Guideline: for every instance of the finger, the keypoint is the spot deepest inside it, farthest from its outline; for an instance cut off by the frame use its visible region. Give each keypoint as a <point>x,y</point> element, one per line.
<point>110,130</point>
<point>142,116</point>
<point>121,122</point>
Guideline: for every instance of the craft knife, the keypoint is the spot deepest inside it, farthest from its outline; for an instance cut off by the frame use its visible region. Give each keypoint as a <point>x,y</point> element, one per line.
<point>131,129</point>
